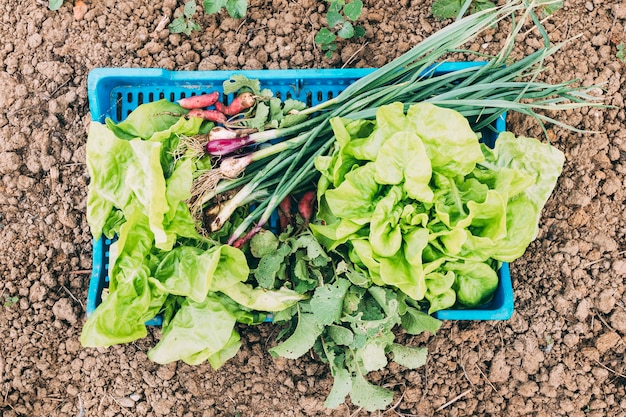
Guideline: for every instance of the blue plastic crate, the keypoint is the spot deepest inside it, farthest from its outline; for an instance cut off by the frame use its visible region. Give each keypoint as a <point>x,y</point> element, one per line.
<point>115,92</point>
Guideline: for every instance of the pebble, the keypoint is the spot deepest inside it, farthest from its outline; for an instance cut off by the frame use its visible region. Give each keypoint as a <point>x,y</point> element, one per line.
<point>619,267</point>
<point>166,372</point>
<point>607,341</point>
<point>620,11</point>
<point>63,310</point>
<point>618,321</point>
<point>125,402</point>
<point>589,6</point>
<point>528,389</point>
<point>606,301</point>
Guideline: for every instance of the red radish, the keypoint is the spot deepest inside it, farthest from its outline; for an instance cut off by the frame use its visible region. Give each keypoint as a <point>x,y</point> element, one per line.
<point>284,212</point>
<point>199,102</point>
<point>221,147</point>
<point>305,206</point>
<point>242,102</point>
<point>246,238</point>
<point>210,115</point>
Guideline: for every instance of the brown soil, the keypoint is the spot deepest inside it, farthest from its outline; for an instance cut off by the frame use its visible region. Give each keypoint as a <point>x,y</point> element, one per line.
<point>562,352</point>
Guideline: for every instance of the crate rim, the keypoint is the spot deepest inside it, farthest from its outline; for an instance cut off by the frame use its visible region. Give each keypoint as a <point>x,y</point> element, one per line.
<point>101,79</point>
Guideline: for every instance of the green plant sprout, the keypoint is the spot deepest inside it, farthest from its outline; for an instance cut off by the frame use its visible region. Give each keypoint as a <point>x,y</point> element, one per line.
<point>235,8</point>
<point>621,52</point>
<point>447,9</point>
<point>183,22</point>
<point>9,301</point>
<point>340,18</point>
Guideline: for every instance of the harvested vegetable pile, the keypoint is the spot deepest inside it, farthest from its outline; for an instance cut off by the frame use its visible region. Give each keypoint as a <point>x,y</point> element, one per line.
<point>413,212</point>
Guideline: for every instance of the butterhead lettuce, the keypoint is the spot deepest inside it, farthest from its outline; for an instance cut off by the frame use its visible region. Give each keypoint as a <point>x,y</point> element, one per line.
<point>159,262</point>
<point>434,210</point>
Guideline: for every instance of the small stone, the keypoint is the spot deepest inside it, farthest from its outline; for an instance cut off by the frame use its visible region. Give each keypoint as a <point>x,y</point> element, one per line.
<point>589,6</point>
<point>166,372</point>
<point>9,162</point>
<point>528,389</point>
<point>619,267</point>
<point>63,310</point>
<point>125,402</point>
<point>606,301</point>
<point>583,310</point>
<point>618,321</point>
<point>620,11</point>
<point>607,341</point>
<point>34,40</point>
<point>135,397</point>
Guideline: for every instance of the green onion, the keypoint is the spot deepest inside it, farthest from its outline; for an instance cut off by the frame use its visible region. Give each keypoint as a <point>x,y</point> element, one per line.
<point>482,92</point>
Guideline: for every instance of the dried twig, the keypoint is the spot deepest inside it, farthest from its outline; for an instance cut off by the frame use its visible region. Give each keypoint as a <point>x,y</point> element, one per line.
<point>162,23</point>
<point>357,411</point>
<point>603,258</point>
<point>54,399</point>
<point>50,96</point>
<point>124,410</point>
<point>241,25</point>
<point>464,370</point>
<point>353,55</point>
<point>455,399</point>
<point>393,407</point>
<point>610,370</point>
<point>81,409</point>
<point>488,381</point>
<point>73,297</point>
<point>500,333</point>
<point>595,313</point>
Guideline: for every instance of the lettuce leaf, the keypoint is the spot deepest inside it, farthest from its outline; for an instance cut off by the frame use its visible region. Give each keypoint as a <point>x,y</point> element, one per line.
<point>198,332</point>
<point>133,296</point>
<point>419,201</point>
<point>147,119</point>
<point>451,145</point>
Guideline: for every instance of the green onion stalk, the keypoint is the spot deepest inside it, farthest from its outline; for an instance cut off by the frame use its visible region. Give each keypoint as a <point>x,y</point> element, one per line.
<point>481,92</point>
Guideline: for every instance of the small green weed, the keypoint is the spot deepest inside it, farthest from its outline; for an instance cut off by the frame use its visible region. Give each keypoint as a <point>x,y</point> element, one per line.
<point>9,301</point>
<point>447,9</point>
<point>340,18</point>
<point>551,7</point>
<point>235,8</point>
<point>183,22</point>
<point>621,52</point>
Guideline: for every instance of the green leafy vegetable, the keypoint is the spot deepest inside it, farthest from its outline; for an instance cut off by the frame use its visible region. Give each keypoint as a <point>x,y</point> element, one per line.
<point>160,263</point>
<point>339,20</point>
<point>433,209</point>
<point>183,22</point>
<point>55,4</point>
